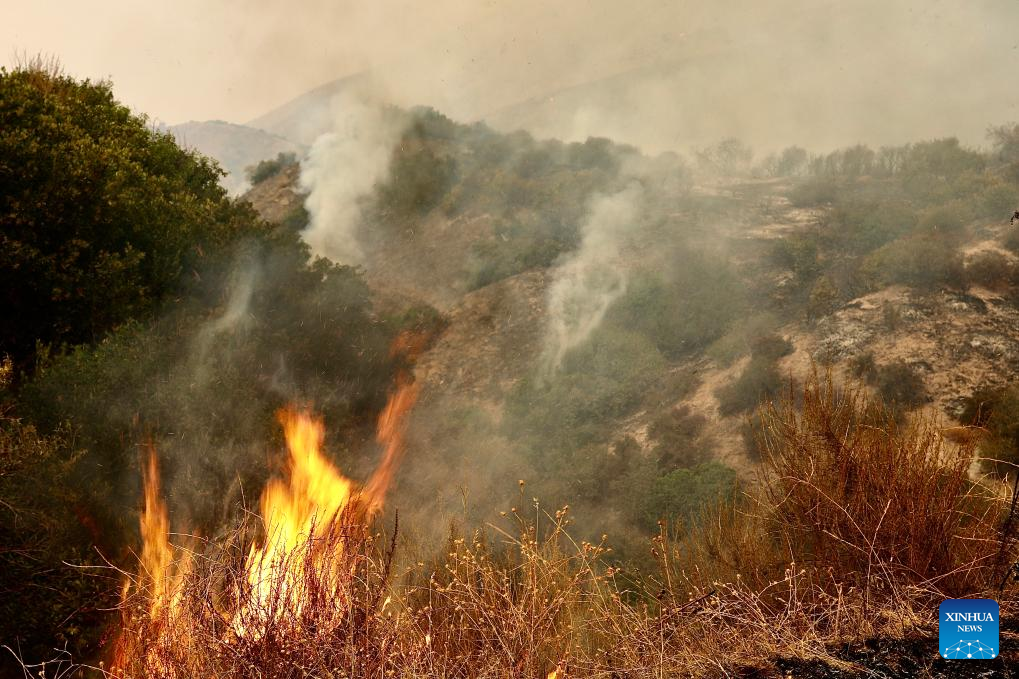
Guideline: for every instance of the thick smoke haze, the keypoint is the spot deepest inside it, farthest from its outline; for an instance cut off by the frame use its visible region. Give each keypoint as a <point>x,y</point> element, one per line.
<point>660,75</point>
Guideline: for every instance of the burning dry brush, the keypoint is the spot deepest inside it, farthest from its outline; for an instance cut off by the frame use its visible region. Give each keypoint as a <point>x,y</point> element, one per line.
<point>859,527</point>
<point>318,623</point>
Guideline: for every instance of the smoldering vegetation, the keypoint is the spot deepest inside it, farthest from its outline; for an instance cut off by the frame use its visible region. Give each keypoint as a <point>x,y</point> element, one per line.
<point>761,581</point>
<point>605,344</point>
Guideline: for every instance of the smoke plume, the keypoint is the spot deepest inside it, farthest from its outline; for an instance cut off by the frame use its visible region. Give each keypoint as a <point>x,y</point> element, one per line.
<point>342,167</point>
<point>587,283</point>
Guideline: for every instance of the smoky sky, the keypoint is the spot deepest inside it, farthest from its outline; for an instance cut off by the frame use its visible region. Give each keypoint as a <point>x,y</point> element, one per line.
<point>658,74</point>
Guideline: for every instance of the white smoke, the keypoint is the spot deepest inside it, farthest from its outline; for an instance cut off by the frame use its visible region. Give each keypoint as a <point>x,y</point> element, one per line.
<point>236,317</point>
<point>343,166</point>
<point>587,284</point>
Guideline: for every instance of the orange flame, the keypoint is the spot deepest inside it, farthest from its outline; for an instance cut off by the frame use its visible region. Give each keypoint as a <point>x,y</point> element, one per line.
<point>156,554</point>
<point>389,433</point>
<point>297,514</point>
<point>307,518</point>
<point>161,572</point>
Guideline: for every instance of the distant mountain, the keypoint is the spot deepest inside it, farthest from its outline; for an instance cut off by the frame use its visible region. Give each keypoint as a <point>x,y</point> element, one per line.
<point>604,107</point>
<point>234,147</point>
<point>304,118</point>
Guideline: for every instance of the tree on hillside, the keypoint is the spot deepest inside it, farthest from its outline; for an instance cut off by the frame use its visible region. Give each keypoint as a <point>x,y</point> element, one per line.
<point>101,216</point>
<point>792,161</point>
<point>728,157</point>
<point>1005,139</point>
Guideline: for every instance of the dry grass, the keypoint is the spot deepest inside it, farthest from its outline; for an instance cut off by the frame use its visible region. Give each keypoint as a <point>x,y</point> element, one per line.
<point>859,527</point>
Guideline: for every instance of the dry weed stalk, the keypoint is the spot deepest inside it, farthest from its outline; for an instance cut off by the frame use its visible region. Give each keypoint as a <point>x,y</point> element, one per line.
<point>859,527</point>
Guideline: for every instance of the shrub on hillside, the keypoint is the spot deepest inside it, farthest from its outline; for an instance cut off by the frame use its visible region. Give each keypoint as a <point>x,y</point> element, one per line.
<point>739,338</point>
<point>792,161</point>
<point>864,366</point>
<point>997,200</point>
<point>297,219</point>
<point>825,298</point>
<point>891,316</point>
<point>770,347</point>
<point>419,178</point>
<point>729,157</point>
<point>945,159</point>
<point>265,169</point>
<point>759,382</point>
<point>687,310</point>
<point>682,494</point>
<point>900,385</point>
<point>595,153</point>
<point>814,192</point>
<point>600,380</point>
<point>947,219</point>
<point>990,269</point>
<point>679,441</point>
<point>50,537</point>
<point>1005,141</point>
<point>799,254</point>
<point>996,410</point>
<point>924,262</point>
<point>525,243</point>
<point>859,225</point>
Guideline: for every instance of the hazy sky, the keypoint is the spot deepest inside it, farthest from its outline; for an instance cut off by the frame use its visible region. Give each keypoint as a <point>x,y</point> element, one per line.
<point>820,72</point>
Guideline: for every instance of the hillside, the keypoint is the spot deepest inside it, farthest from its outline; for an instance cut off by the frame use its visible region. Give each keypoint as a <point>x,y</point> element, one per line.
<point>948,339</point>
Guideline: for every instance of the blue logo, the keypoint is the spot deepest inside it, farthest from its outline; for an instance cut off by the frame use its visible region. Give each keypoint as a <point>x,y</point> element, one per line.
<point>968,629</point>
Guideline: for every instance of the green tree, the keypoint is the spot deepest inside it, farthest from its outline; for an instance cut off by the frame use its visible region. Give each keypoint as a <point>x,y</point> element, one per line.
<point>419,179</point>
<point>101,216</point>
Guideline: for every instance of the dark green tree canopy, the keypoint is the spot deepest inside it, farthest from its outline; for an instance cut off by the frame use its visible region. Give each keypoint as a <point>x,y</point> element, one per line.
<point>101,216</point>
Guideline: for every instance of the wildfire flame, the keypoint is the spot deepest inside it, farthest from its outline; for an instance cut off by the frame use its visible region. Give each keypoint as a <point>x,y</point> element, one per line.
<point>156,555</point>
<point>389,433</point>
<point>296,513</point>
<point>160,573</point>
<point>307,517</point>
<point>162,570</point>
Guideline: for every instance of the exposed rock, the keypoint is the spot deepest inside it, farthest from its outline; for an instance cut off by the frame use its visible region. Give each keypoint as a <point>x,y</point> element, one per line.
<point>278,196</point>
<point>840,337</point>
